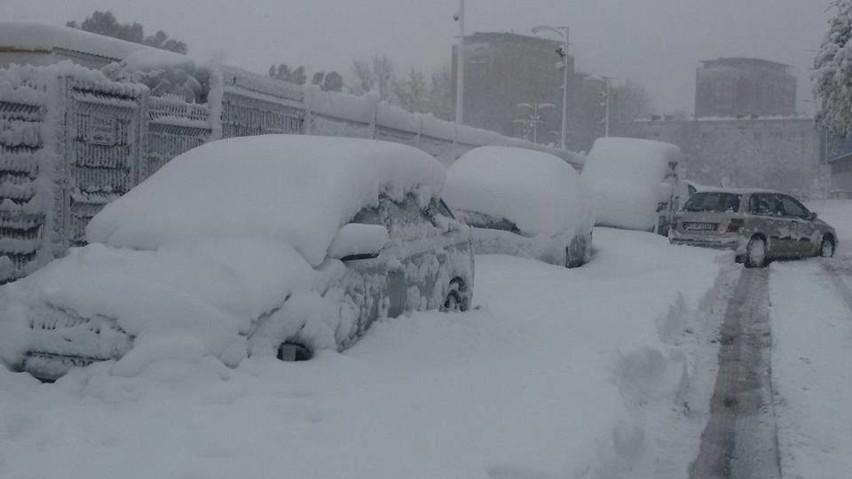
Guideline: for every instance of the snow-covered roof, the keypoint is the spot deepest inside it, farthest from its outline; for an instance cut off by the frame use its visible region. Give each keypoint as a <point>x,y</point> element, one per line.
<point>38,36</point>
<point>295,188</point>
<point>537,191</point>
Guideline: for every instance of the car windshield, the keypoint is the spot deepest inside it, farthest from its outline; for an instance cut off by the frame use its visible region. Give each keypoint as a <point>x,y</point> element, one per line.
<point>714,202</point>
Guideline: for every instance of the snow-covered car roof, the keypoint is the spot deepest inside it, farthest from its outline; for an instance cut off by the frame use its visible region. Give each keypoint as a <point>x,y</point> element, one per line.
<point>626,177</point>
<point>295,188</point>
<point>629,161</point>
<point>537,191</point>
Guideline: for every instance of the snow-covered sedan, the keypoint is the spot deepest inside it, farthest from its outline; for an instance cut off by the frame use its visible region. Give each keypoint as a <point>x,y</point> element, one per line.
<point>522,202</point>
<point>271,245</point>
<point>759,225</point>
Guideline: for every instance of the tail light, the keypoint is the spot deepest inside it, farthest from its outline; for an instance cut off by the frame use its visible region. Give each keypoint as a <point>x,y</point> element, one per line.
<point>735,225</point>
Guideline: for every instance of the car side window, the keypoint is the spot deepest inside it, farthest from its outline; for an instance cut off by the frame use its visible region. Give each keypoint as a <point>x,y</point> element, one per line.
<point>765,204</point>
<point>793,207</point>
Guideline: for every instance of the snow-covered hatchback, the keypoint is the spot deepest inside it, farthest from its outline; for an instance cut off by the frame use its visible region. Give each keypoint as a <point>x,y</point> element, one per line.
<point>272,245</point>
<point>522,202</point>
<point>759,225</point>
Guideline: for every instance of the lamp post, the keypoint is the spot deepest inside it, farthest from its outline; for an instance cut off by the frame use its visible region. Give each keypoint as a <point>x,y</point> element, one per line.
<point>605,80</point>
<point>459,17</point>
<point>563,53</point>
<point>535,117</point>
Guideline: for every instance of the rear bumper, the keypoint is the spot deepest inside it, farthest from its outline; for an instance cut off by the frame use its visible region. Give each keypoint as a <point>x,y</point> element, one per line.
<point>719,242</point>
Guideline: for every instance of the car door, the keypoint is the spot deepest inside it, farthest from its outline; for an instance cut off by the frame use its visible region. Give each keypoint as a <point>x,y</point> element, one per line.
<point>367,279</point>
<point>420,254</point>
<point>768,219</point>
<point>801,226</point>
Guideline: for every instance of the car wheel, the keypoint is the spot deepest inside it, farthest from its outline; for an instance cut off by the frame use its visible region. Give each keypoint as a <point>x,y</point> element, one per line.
<point>575,253</point>
<point>291,352</point>
<point>453,300</point>
<point>826,248</point>
<point>755,253</point>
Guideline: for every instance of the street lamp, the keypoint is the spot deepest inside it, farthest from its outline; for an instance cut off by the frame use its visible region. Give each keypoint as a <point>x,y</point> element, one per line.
<point>459,17</point>
<point>535,117</point>
<point>563,53</point>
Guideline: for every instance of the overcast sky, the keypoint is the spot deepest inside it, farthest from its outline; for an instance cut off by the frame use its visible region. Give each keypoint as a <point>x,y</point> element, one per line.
<point>658,43</point>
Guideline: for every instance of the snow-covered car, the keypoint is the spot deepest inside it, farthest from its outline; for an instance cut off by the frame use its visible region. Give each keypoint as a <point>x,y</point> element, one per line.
<point>522,202</point>
<point>636,184</point>
<point>759,225</point>
<point>270,245</point>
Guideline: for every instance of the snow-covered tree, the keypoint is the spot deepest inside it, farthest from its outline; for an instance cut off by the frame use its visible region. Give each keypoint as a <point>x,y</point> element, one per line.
<point>833,72</point>
<point>105,23</point>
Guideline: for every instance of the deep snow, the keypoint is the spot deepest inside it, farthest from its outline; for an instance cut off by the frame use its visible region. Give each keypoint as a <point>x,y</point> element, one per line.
<point>598,371</point>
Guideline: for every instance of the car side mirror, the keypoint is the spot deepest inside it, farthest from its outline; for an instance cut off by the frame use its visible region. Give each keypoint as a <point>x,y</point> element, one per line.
<point>811,216</point>
<point>358,241</point>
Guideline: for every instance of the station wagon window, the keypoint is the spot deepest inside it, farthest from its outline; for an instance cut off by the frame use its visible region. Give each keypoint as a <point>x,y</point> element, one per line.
<point>765,204</point>
<point>714,202</point>
<point>793,207</point>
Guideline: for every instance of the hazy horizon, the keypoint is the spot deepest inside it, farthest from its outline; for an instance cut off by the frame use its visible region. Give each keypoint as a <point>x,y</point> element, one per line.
<point>658,43</point>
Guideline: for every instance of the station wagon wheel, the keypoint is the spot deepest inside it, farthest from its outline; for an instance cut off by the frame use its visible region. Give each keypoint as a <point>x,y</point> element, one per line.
<point>755,252</point>
<point>826,247</point>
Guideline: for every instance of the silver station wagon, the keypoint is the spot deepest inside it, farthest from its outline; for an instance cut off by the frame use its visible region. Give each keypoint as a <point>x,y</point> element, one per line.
<point>759,225</point>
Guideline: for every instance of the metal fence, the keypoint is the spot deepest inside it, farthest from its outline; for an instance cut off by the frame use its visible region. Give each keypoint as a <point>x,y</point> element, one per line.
<point>72,142</point>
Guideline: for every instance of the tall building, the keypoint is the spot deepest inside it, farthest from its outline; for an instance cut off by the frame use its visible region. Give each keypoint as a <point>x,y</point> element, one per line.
<point>740,87</point>
<point>503,70</point>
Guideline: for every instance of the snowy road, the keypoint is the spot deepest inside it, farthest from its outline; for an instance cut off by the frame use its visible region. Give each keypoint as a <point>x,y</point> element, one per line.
<point>812,366</point>
<point>740,440</point>
<point>605,371</point>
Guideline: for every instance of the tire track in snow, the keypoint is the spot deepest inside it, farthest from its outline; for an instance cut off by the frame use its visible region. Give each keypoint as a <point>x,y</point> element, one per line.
<point>740,439</point>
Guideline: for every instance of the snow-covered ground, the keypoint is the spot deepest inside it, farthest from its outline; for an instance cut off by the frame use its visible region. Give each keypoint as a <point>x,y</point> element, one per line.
<point>599,371</point>
<point>812,355</point>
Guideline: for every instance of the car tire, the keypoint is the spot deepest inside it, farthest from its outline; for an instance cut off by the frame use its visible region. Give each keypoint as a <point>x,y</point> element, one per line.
<point>575,253</point>
<point>453,302</point>
<point>755,256</point>
<point>826,247</point>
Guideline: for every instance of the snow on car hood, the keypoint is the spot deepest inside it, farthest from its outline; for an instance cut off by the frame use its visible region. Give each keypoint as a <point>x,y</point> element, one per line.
<point>539,192</point>
<point>209,293</point>
<point>295,188</point>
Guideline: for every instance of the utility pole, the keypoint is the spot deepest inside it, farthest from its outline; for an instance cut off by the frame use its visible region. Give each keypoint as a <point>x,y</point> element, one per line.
<point>562,51</point>
<point>459,17</point>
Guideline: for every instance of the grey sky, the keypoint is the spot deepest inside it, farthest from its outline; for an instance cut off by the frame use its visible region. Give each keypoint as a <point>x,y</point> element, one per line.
<point>656,42</point>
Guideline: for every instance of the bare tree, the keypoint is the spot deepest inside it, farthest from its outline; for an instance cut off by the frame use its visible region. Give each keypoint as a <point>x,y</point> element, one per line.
<point>378,74</point>
<point>441,94</point>
<point>412,92</point>
<point>629,101</point>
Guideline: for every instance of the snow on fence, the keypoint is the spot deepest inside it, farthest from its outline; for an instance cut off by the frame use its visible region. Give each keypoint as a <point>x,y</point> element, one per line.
<point>174,126</point>
<point>69,143</point>
<point>72,140</point>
